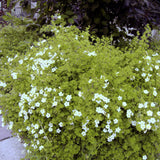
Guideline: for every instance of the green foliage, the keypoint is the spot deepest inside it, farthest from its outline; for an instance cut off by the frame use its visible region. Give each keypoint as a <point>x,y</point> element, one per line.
<point>70,99</point>
<point>14,40</point>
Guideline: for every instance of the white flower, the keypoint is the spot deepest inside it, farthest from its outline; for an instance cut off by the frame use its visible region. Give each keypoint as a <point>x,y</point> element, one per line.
<point>76,113</point>
<point>32,131</point>
<point>92,53</point>
<point>50,125</point>
<point>76,37</point>
<point>140,105</point>
<point>145,104</point>
<point>136,69</point>
<point>145,91</point>
<point>3,84</point>
<point>90,80</point>
<point>25,145</point>
<point>119,109</point>
<point>108,122</point>
<point>32,107</point>
<point>20,61</point>
<point>150,75</point>
<point>50,129</point>
<point>36,135</point>
<point>41,147</point>
<point>61,124</point>
<point>36,126</point>
<point>148,126</point>
<point>110,130</point>
<point>83,133</point>
<point>143,74</point>
<point>158,61</point>
<point>149,113</point>
<point>69,97</point>
<point>58,130</point>
<point>156,54</point>
<point>43,100</point>
<point>43,41</point>
<point>129,113</point>
<point>10,125</point>
<point>107,126</point>
<point>42,111</point>
<point>0,111</point>
<point>49,89</point>
<point>105,106</point>
<point>48,115</point>
<point>28,128</point>
<point>37,142</point>
<point>3,124</point>
<point>105,99</point>
<point>147,79</point>
<point>124,104</point>
<point>37,104</point>
<point>96,122</point>
<point>142,123</point>
<point>104,130</point>
<point>144,157</point>
<point>54,103</point>
<point>156,67</point>
<point>158,113</point>
<point>148,57</point>
<point>106,80</point>
<point>152,104</point>
<point>115,121</point>
<point>59,17</point>
<point>119,98</point>
<point>105,85</point>
<point>80,94</point>
<point>14,75</point>
<point>98,101</point>
<point>102,76</point>
<point>133,123</point>
<point>154,93</point>
<point>109,139</point>
<point>54,69</point>
<point>96,95</point>
<point>60,94</point>
<point>66,104</point>
<point>41,131</point>
<point>100,110</point>
<point>152,120</point>
<point>10,59</point>
<point>59,46</point>
<point>41,91</point>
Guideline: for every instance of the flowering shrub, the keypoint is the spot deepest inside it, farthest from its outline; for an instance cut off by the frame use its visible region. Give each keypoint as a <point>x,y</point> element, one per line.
<point>73,100</point>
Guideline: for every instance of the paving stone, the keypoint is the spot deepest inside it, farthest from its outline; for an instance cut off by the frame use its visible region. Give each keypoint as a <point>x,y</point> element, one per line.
<point>4,132</point>
<point>11,149</point>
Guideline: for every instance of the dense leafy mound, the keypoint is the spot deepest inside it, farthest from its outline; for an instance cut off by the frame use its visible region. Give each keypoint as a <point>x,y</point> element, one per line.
<point>73,100</point>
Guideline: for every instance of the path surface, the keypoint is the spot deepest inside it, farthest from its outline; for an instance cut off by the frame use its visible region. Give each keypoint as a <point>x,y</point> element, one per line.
<point>10,147</point>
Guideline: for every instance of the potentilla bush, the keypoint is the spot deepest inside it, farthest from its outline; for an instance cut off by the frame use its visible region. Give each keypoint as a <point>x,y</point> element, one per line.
<point>74,100</point>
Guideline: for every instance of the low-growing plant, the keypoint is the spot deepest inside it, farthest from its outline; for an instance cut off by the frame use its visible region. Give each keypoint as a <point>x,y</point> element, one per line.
<point>73,100</point>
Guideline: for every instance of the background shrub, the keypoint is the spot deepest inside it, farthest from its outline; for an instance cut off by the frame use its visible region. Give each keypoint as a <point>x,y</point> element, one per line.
<point>120,19</point>
<point>74,100</point>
